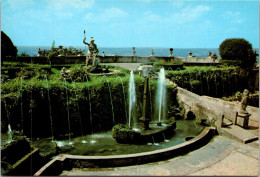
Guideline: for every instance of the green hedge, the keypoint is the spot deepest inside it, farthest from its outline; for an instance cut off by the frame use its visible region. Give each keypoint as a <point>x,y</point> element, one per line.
<point>168,65</point>
<point>211,81</point>
<point>26,106</point>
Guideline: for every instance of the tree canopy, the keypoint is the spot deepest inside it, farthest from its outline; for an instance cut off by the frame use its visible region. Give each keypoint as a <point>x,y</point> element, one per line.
<point>7,47</point>
<point>238,49</point>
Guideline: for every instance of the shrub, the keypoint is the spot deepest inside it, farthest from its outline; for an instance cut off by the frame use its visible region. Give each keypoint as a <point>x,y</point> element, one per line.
<point>168,65</point>
<point>24,54</point>
<point>230,62</point>
<point>238,49</point>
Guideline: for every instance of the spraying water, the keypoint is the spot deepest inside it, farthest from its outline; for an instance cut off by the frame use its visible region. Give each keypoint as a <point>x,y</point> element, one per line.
<point>161,95</point>
<point>132,96</point>
<point>10,137</point>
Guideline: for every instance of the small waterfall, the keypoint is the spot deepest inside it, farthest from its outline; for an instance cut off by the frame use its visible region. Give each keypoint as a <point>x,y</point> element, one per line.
<point>21,96</point>
<point>154,143</point>
<point>123,89</point>
<point>76,96</point>
<point>151,103</point>
<point>10,137</point>
<point>111,101</point>
<point>48,90</point>
<point>164,139</point>
<point>190,80</point>
<point>207,77</point>
<point>216,84</point>
<point>67,97</point>
<point>161,95</point>
<point>89,101</point>
<point>223,83</point>
<point>132,97</point>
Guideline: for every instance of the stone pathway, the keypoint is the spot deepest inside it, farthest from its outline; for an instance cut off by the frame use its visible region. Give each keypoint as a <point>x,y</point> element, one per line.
<point>128,66</point>
<point>222,156</point>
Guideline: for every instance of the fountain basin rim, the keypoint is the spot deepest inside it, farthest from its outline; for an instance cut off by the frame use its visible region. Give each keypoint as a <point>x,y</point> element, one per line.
<point>128,159</point>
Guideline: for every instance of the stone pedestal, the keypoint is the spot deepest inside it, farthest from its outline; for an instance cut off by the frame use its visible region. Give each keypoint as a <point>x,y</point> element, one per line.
<point>146,116</point>
<point>242,119</point>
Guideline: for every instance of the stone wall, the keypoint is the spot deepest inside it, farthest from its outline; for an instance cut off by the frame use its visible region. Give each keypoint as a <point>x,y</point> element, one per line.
<point>209,108</point>
<point>114,59</point>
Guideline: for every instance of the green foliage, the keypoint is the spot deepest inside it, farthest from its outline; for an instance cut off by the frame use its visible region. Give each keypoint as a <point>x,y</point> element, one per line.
<point>24,54</point>
<point>238,49</point>
<point>168,65</point>
<point>37,73</point>
<point>211,81</point>
<point>52,55</point>
<point>230,62</point>
<point>78,72</point>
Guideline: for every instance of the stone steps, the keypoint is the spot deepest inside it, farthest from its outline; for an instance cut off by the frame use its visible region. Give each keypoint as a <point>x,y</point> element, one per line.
<point>238,133</point>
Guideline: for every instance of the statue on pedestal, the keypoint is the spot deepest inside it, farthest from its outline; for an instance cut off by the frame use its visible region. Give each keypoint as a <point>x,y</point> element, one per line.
<point>92,54</point>
<point>244,102</point>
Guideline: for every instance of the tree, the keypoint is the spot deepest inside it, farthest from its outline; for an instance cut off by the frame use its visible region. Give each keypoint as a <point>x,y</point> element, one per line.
<point>238,49</point>
<point>7,47</point>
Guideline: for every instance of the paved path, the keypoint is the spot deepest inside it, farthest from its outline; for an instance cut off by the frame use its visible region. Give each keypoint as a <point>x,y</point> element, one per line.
<point>222,156</point>
<point>128,66</point>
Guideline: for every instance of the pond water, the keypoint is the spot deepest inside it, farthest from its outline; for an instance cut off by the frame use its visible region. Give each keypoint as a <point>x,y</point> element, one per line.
<point>102,144</point>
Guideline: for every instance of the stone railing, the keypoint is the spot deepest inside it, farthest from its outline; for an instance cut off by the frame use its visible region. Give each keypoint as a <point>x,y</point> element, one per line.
<point>114,59</point>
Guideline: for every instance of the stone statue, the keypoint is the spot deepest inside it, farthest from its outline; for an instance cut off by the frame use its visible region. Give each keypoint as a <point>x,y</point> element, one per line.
<point>152,53</point>
<point>92,52</point>
<point>134,51</point>
<point>244,102</point>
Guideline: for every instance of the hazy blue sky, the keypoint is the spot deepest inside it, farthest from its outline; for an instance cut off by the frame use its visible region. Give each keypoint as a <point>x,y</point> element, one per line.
<point>128,23</point>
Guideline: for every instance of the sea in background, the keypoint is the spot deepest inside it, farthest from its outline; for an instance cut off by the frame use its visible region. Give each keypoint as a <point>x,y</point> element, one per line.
<point>127,51</point>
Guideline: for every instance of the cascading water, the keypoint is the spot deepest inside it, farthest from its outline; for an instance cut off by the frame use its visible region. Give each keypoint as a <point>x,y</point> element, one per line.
<point>76,96</point>
<point>92,141</point>
<point>190,80</point>
<point>123,89</point>
<point>67,97</point>
<point>21,96</point>
<point>161,95</point>
<point>48,90</point>
<point>132,98</point>
<point>111,101</point>
<point>10,137</point>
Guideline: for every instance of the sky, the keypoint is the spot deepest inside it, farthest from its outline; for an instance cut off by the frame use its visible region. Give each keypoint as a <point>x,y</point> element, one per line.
<point>130,23</point>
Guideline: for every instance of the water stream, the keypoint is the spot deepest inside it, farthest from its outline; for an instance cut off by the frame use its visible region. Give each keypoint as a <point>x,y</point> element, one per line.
<point>132,98</point>
<point>67,97</point>
<point>49,100</point>
<point>21,96</point>
<point>161,95</point>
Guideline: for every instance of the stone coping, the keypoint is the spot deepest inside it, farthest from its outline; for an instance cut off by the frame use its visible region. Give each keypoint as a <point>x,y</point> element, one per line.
<point>67,162</point>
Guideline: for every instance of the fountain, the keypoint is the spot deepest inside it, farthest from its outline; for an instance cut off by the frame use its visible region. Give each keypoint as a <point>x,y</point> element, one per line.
<point>144,130</point>
<point>161,96</point>
<point>132,98</point>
